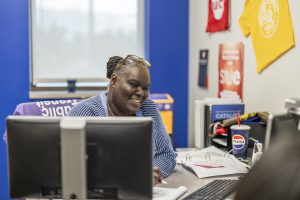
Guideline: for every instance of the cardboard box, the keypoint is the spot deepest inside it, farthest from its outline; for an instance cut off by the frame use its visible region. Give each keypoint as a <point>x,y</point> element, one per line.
<point>165,103</point>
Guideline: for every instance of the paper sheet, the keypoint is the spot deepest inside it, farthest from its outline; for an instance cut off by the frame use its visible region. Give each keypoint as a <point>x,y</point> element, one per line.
<point>160,193</point>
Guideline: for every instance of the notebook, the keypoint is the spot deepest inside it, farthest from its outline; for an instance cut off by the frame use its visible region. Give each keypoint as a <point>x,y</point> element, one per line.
<point>160,193</point>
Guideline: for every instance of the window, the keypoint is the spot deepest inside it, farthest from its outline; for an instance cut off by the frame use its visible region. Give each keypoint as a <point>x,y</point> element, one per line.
<point>71,41</point>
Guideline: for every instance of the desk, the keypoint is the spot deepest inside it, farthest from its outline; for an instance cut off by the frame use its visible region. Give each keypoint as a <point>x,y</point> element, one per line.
<point>181,176</point>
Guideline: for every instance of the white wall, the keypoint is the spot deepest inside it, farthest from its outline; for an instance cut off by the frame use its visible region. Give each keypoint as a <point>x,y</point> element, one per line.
<point>262,92</point>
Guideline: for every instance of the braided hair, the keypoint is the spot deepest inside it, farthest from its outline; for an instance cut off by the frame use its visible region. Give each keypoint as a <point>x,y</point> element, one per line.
<point>117,65</point>
<point>111,65</point>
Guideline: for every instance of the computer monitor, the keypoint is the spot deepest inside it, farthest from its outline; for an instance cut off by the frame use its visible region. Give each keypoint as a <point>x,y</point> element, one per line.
<point>284,125</point>
<point>118,154</point>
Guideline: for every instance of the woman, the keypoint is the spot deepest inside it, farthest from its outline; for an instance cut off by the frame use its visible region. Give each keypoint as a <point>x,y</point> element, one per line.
<point>127,95</point>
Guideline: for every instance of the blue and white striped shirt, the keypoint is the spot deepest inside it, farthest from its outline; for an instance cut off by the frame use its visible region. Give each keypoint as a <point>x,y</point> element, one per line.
<point>163,155</point>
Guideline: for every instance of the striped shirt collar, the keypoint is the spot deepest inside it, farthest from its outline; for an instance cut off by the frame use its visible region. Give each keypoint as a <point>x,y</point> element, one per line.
<point>103,97</point>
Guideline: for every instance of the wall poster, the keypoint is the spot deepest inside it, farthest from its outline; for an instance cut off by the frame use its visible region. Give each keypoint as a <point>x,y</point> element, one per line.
<point>231,70</point>
<point>203,68</point>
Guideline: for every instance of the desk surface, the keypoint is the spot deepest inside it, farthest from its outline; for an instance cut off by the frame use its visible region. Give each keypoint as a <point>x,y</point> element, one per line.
<point>181,176</point>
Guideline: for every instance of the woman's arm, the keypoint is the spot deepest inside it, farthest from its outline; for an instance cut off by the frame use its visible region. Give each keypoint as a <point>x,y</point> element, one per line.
<point>164,156</point>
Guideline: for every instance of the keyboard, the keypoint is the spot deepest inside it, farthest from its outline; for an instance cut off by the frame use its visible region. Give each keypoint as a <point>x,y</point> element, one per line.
<point>217,189</point>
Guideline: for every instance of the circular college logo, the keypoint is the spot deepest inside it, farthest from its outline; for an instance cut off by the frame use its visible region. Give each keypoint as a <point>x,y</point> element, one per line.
<point>268,17</point>
<point>217,7</point>
<point>238,141</point>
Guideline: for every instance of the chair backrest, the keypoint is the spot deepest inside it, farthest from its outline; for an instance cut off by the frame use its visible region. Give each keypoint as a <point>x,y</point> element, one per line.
<point>164,103</point>
<point>45,108</point>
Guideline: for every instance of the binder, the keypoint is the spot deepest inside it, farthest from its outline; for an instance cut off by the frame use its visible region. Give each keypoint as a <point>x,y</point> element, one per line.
<point>199,124</point>
<point>223,163</point>
<point>215,112</point>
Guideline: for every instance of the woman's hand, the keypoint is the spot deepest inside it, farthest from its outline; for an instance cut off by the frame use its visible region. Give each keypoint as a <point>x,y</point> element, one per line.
<point>156,176</point>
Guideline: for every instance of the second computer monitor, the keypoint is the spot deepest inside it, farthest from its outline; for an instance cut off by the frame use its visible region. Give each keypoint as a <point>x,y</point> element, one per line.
<point>284,125</point>
<point>119,157</point>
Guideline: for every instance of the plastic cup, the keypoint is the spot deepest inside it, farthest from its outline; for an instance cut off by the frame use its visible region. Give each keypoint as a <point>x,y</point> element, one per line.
<point>240,136</point>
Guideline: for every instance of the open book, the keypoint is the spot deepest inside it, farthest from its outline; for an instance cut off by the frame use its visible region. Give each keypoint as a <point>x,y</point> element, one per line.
<point>160,193</point>
<point>212,161</point>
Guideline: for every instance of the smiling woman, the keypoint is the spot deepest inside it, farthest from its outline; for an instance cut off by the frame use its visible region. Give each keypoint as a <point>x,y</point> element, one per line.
<point>129,86</point>
<point>127,95</point>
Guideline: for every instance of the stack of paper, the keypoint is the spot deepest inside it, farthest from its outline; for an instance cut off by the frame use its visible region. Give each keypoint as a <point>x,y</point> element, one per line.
<point>212,161</point>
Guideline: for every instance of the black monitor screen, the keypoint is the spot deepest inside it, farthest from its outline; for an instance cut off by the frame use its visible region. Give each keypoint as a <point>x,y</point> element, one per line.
<point>285,125</point>
<point>119,157</point>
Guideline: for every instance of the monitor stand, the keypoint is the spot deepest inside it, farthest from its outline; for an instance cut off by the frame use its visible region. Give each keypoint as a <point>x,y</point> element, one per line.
<point>73,158</point>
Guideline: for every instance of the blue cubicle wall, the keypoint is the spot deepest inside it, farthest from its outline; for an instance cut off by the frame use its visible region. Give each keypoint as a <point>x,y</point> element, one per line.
<point>14,70</point>
<point>166,47</point>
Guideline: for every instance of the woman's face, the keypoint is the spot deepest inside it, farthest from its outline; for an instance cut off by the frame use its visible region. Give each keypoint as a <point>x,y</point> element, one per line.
<point>130,90</point>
